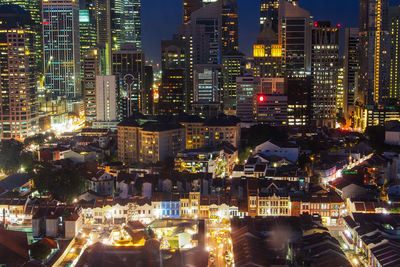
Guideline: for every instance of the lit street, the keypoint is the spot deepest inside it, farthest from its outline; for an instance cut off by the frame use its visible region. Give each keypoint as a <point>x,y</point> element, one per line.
<point>219,244</point>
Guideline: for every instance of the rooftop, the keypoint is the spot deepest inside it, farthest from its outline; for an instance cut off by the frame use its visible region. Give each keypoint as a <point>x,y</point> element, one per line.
<point>14,181</point>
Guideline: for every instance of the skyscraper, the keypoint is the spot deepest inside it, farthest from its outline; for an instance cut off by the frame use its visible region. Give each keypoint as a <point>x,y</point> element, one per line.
<point>175,56</point>
<point>34,8</point>
<point>103,21</point>
<point>247,89</point>
<point>231,69</point>
<point>18,74</point>
<point>269,14</point>
<point>340,88</point>
<point>325,65</point>
<point>394,25</point>
<point>271,102</point>
<point>267,54</point>
<point>128,66</point>
<point>172,90</point>
<point>372,42</point>
<point>106,102</point>
<point>147,102</point>
<point>207,84</point>
<point>299,90</point>
<point>87,29</point>
<point>197,52</point>
<point>91,64</point>
<point>295,37</point>
<point>61,48</point>
<point>174,82</point>
<point>210,17</point>
<point>351,58</point>
<point>189,6</point>
<point>229,27</point>
<point>126,23</point>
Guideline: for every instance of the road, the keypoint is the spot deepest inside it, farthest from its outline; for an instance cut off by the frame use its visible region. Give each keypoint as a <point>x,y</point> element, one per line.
<point>85,238</point>
<point>356,260</point>
<point>219,244</point>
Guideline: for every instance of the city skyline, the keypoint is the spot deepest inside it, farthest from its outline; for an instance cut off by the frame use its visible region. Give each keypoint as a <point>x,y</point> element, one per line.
<point>155,29</point>
<point>247,133</point>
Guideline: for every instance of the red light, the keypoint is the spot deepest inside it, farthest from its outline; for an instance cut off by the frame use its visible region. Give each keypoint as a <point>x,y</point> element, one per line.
<point>261,98</point>
<point>315,24</point>
<point>339,25</point>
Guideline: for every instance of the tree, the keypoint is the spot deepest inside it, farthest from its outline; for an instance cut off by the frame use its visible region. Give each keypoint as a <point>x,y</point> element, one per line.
<point>40,251</point>
<point>64,184</point>
<point>38,139</point>
<point>11,156</point>
<point>376,136</point>
<point>244,153</point>
<point>304,162</point>
<point>260,133</point>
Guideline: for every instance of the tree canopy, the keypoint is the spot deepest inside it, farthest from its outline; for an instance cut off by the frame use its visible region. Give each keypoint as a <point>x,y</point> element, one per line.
<point>260,133</point>
<point>38,139</point>
<point>13,157</point>
<point>40,251</point>
<point>64,184</point>
<point>376,136</point>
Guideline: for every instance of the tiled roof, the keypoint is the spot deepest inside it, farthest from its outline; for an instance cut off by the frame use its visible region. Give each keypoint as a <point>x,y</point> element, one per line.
<point>14,181</point>
<point>15,241</point>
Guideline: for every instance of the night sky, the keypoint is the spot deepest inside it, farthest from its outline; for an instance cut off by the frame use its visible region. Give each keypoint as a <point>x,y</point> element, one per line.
<point>161,17</point>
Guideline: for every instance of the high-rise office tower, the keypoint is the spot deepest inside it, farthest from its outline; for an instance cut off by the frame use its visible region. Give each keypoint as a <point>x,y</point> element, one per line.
<point>210,17</point>
<point>299,91</point>
<point>18,74</point>
<point>340,88</point>
<point>189,6</point>
<point>172,91</point>
<point>197,47</point>
<point>126,23</point>
<point>231,69</point>
<point>103,21</point>
<point>374,61</point>
<point>102,15</point>
<point>372,39</point>
<point>269,14</point>
<point>133,23</point>
<point>174,83</point>
<point>173,54</point>
<point>207,84</point>
<point>106,101</point>
<point>34,8</point>
<point>87,29</point>
<point>246,92</point>
<point>148,105</point>
<point>269,11</point>
<point>267,54</point>
<point>128,66</point>
<point>350,69</point>
<point>91,64</point>
<point>271,102</point>
<point>394,25</point>
<point>229,27</point>
<point>325,65</point>
<point>61,48</point>
<point>295,37</point>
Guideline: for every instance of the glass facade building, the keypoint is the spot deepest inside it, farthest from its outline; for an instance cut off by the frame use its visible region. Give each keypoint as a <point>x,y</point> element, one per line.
<point>61,48</point>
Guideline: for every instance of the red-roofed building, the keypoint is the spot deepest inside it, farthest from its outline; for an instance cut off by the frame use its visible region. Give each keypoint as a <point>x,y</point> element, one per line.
<point>14,250</point>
